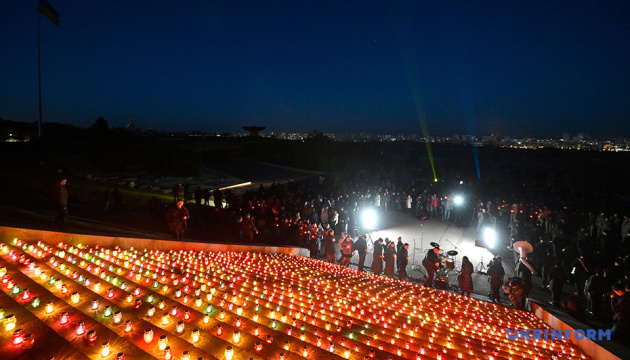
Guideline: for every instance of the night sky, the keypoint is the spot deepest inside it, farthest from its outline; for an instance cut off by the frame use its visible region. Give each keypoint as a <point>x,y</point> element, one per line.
<point>507,67</point>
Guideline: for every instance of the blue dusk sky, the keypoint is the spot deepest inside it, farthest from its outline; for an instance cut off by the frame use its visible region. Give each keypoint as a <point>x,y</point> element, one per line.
<point>537,68</point>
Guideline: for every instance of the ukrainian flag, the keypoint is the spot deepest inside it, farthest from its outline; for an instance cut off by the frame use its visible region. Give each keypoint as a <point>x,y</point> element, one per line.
<point>48,11</point>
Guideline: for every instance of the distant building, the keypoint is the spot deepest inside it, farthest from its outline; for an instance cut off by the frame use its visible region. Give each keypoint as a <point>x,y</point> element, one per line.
<point>254,130</point>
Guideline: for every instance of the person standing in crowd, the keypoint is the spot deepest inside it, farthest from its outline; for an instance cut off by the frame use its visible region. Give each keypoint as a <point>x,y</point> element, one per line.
<point>178,219</point>
<point>448,206</point>
<point>465,277</point>
<point>403,260</point>
<point>106,199</point>
<point>557,277</point>
<point>377,257</point>
<point>313,245</point>
<point>198,194</point>
<point>433,206</point>
<point>361,247</point>
<point>431,263</point>
<point>399,244</point>
<point>580,274</point>
<point>496,273</point>
<point>248,228</point>
<point>60,200</point>
<point>329,245</point>
<point>390,259</point>
<point>346,246</point>
<point>596,286</point>
<point>176,190</point>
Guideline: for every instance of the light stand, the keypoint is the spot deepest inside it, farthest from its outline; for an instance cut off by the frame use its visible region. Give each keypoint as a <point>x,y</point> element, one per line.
<point>413,262</point>
<point>480,267</point>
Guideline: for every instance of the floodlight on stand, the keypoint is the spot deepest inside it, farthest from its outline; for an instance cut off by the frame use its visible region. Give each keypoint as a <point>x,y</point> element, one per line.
<point>489,236</point>
<point>369,219</point>
<point>458,200</point>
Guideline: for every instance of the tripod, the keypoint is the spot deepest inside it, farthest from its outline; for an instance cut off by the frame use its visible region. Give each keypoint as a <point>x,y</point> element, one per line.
<point>480,267</point>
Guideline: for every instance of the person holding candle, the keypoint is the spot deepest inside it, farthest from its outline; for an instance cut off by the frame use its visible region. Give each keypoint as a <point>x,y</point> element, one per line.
<point>390,259</point>
<point>329,243</point>
<point>361,247</point>
<point>177,219</point>
<point>377,257</point>
<point>403,260</point>
<point>60,199</point>
<point>465,277</point>
<point>346,246</point>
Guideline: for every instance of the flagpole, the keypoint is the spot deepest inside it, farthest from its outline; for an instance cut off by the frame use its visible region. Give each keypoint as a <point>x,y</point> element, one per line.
<point>39,81</point>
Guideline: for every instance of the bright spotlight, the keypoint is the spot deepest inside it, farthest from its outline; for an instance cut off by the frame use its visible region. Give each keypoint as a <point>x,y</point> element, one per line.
<point>369,219</point>
<point>458,200</point>
<point>435,180</point>
<point>489,236</point>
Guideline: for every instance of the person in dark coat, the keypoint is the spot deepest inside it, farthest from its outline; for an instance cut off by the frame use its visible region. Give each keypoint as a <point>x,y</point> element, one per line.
<point>595,289</point>
<point>431,263</point>
<point>360,246</point>
<point>313,245</point>
<point>60,200</point>
<point>547,263</point>
<point>377,257</point>
<point>496,273</point>
<point>217,198</point>
<point>390,259</point>
<point>557,277</point>
<point>176,190</point>
<point>198,195</point>
<point>403,260</point>
<point>329,244</point>
<point>581,273</point>
<point>465,277</point>
<point>177,219</point>
<point>248,228</point>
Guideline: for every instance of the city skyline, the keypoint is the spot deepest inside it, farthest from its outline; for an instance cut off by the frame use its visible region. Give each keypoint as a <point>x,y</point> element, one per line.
<point>456,67</point>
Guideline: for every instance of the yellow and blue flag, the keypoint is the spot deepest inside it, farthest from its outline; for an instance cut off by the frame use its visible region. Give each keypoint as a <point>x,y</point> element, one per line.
<point>48,11</point>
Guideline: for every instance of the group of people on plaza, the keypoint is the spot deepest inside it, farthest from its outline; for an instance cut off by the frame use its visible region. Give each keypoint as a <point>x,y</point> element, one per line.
<point>587,250</point>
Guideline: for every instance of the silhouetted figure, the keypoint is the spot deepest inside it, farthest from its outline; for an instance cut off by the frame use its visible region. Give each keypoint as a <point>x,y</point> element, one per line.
<point>177,219</point>
<point>403,261</point>
<point>496,273</point>
<point>60,200</point>
<point>390,259</point>
<point>465,277</point>
<point>557,277</point>
<point>377,257</point>
<point>595,289</point>
<point>176,190</point>
<point>361,247</point>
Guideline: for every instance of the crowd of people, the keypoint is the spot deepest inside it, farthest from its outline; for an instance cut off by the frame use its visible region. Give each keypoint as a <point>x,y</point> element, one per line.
<point>570,245</point>
<point>589,251</point>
